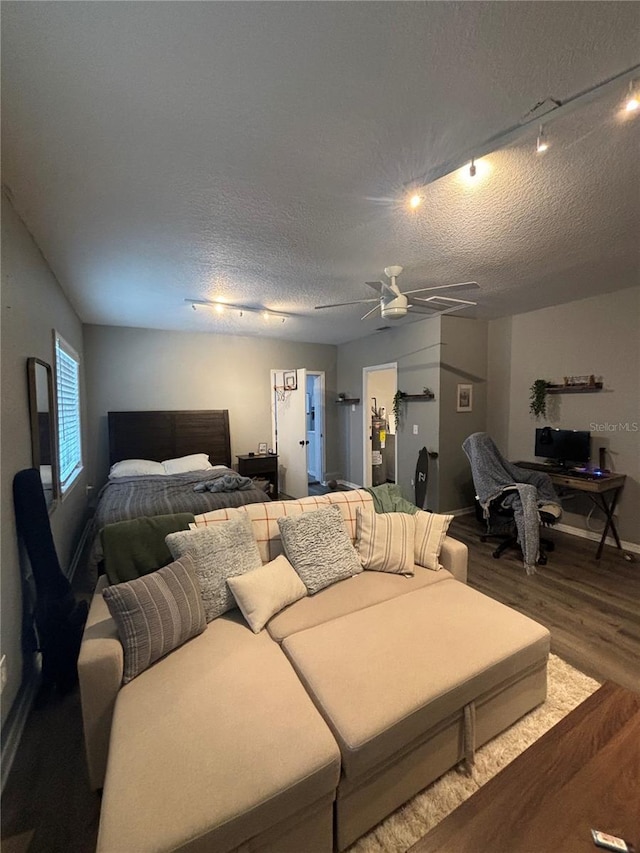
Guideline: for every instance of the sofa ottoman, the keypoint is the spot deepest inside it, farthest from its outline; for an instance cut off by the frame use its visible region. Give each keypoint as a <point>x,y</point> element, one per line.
<point>393,681</point>
<point>218,747</point>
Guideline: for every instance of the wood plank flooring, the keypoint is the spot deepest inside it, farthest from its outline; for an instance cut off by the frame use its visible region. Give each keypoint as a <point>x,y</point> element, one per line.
<point>591,607</point>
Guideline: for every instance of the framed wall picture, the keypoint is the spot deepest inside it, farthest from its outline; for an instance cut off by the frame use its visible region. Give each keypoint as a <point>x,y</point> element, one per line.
<point>262,448</point>
<point>290,379</point>
<point>465,398</point>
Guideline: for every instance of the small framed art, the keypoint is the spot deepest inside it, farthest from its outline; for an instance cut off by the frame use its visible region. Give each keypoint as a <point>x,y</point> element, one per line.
<point>465,398</point>
<point>262,448</point>
<point>290,379</point>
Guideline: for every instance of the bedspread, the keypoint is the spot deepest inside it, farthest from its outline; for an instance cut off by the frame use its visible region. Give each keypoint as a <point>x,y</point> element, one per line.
<point>134,497</point>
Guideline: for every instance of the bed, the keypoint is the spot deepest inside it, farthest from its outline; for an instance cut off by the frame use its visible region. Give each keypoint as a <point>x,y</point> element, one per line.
<point>158,436</point>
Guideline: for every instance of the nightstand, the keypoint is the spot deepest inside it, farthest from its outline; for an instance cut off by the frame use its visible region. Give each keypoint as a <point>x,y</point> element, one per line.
<point>262,466</point>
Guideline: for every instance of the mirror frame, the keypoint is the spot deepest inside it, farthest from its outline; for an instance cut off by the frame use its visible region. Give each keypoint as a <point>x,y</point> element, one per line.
<point>32,363</point>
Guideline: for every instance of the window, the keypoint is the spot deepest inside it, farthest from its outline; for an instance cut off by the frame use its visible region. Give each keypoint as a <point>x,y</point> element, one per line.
<point>68,396</point>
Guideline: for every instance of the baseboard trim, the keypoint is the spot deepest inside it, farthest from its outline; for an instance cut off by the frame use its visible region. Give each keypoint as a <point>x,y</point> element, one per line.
<point>595,537</point>
<point>13,728</point>
<point>348,484</point>
<point>77,554</point>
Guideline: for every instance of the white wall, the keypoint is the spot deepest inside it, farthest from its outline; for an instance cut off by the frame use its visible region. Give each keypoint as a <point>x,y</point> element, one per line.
<point>33,303</point>
<point>599,336</point>
<point>138,369</point>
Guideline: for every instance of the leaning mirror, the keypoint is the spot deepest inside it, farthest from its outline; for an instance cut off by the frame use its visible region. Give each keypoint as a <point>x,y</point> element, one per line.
<point>41,412</point>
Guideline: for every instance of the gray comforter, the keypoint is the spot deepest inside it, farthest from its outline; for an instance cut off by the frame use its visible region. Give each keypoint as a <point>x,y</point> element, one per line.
<point>134,497</point>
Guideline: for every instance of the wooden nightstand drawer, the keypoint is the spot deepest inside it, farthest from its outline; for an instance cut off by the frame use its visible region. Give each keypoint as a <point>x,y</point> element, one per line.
<point>260,466</point>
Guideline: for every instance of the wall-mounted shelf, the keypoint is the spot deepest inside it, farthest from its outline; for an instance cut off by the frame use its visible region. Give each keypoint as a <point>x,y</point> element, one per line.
<point>419,397</point>
<point>574,389</point>
<point>352,400</point>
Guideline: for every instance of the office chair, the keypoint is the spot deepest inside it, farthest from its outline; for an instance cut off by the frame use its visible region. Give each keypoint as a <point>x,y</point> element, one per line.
<point>513,502</point>
<point>500,524</point>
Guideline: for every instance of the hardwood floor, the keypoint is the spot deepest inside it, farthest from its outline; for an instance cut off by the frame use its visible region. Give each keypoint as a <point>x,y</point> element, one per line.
<point>591,607</point>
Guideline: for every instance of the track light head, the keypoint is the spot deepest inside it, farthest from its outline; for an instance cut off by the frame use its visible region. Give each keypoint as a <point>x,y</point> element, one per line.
<point>542,144</point>
<point>472,168</point>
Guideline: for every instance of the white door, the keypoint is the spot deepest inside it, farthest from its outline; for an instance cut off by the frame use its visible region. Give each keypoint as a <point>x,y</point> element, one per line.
<point>289,426</point>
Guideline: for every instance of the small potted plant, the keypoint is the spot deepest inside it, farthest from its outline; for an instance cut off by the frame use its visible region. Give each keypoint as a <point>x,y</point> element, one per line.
<point>538,397</point>
<point>398,397</point>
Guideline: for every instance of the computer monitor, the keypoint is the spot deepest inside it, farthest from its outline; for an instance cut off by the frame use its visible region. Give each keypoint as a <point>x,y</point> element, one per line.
<point>564,445</point>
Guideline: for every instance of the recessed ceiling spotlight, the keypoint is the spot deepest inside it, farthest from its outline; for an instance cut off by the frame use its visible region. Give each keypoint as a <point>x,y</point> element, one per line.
<point>219,308</point>
<point>415,200</point>
<point>633,97</point>
<point>266,315</point>
<point>542,144</point>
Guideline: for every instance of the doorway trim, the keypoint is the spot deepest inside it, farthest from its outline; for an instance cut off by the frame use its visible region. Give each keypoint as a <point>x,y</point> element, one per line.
<point>367,478</point>
<point>319,397</point>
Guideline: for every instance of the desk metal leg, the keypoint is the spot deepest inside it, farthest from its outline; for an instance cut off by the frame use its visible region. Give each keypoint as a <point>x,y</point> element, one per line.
<point>608,509</point>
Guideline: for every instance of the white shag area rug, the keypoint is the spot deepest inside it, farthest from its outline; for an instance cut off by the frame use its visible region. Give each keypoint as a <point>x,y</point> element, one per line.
<point>566,688</point>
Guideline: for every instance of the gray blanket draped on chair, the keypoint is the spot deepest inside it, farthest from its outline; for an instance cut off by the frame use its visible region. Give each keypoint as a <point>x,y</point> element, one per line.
<point>524,491</point>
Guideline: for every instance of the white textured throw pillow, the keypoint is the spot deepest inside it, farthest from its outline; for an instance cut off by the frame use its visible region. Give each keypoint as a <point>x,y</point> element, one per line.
<point>219,552</point>
<point>135,468</point>
<point>184,464</point>
<point>319,547</point>
<point>385,541</point>
<point>431,529</point>
<point>266,591</point>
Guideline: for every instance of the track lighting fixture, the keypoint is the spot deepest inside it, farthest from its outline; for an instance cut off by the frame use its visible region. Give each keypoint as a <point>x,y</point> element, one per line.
<point>472,168</point>
<point>542,144</point>
<point>633,97</point>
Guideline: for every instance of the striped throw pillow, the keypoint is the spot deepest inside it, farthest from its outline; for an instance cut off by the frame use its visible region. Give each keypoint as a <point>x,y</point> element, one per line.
<point>385,541</point>
<point>431,530</point>
<point>156,613</point>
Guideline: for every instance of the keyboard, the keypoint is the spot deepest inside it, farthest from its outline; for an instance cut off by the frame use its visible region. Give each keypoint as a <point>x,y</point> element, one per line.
<point>542,466</point>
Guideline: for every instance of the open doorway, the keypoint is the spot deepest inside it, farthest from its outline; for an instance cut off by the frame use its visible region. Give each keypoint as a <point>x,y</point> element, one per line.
<point>380,457</point>
<point>314,406</point>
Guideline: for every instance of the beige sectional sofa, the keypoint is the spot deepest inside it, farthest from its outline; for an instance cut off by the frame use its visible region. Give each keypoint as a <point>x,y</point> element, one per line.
<point>304,736</point>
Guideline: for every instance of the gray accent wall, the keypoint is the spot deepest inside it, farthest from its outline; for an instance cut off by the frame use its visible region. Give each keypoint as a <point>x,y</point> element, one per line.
<point>600,336</point>
<point>464,361</point>
<point>33,303</point>
<point>138,369</point>
<point>438,354</point>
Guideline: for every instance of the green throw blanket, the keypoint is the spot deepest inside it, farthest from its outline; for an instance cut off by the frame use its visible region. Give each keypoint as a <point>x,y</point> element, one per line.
<point>137,547</point>
<point>388,498</point>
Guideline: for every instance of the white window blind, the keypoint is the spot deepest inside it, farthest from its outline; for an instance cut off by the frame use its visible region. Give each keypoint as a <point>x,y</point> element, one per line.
<point>68,394</point>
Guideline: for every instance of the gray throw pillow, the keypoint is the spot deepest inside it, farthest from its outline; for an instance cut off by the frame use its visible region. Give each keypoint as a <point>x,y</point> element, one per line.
<point>219,552</point>
<point>155,614</point>
<point>318,546</point>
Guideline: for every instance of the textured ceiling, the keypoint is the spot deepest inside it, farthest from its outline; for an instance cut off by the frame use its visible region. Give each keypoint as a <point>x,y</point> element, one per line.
<point>257,152</point>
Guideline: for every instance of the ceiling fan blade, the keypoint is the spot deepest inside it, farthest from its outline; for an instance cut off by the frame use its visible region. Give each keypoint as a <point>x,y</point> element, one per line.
<point>472,285</point>
<point>373,311</point>
<point>433,300</point>
<point>437,310</point>
<point>340,304</point>
<point>382,288</point>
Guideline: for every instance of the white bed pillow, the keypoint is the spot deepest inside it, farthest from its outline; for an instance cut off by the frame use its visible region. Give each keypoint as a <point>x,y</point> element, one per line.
<point>184,464</point>
<point>135,468</point>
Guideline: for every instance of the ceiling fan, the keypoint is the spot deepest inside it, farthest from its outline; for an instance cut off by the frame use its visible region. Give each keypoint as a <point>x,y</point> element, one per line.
<point>394,304</point>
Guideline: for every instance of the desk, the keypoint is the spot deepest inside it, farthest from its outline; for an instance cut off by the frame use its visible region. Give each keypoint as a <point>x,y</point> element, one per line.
<point>597,489</point>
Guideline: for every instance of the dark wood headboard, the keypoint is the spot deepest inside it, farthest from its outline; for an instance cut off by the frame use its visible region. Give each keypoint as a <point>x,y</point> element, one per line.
<point>167,435</point>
